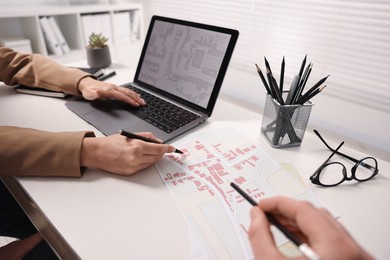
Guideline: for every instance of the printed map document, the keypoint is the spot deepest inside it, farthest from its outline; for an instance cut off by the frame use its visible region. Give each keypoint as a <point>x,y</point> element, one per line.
<point>199,181</point>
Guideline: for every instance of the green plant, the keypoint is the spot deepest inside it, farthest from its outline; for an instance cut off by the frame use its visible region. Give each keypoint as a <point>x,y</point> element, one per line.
<point>97,41</point>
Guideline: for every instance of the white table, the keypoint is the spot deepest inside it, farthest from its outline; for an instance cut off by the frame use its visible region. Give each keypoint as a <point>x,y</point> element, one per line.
<point>104,216</point>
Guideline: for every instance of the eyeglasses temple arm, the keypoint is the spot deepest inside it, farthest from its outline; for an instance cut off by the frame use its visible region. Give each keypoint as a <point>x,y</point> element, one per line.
<point>334,151</point>
<point>330,148</point>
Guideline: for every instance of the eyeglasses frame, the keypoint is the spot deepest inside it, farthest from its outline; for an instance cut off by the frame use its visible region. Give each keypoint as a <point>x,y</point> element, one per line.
<point>314,178</point>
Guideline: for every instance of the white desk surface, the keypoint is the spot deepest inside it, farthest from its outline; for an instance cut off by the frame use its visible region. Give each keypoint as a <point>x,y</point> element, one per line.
<point>104,216</point>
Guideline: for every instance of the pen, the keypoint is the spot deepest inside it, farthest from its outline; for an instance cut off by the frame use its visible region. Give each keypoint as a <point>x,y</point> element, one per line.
<point>303,247</point>
<point>106,76</point>
<point>143,138</point>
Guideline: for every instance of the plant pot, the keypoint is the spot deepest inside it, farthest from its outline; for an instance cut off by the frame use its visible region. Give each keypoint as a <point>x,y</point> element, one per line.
<point>98,57</point>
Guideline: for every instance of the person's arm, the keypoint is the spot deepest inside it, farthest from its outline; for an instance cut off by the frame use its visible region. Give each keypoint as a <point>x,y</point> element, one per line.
<point>314,226</point>
<point>30,152</point>
<point>35,70</point>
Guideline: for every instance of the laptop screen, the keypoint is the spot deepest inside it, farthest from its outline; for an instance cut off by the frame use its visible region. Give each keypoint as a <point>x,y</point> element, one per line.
<point>187,60</point>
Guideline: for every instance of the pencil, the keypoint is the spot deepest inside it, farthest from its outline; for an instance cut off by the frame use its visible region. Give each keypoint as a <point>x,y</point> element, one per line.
<point>143,138</point>
<point>302,83</point>
<point>303,247</point>
<point>310,96</point>
<point>106,76</point>
<point>314,87</point>
<point>267,65</point>
<point>275,89</point>
<point>281,76</point>
<point>270,81</point>
<point>302,67</point>
<point>263,79</point>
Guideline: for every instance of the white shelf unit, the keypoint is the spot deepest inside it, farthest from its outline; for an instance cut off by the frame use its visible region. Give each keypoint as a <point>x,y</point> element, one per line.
<point>22,22</point>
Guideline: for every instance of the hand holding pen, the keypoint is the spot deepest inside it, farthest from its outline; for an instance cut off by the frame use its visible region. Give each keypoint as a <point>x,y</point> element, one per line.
<point>306,226</point>
<point>313,225</point>
<point>304,248</point>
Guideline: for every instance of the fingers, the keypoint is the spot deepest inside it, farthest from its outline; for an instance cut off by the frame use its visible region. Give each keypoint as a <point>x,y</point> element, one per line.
<point>260,236</point>
<point>93,89</point>
<point>152,152</point>
<point>122,94</point>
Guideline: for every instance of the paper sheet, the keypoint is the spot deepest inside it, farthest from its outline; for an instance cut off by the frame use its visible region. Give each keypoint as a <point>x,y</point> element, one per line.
<point>199,181</point>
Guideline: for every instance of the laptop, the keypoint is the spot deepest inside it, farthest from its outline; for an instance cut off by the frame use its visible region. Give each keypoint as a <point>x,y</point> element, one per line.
<point>180,71</point>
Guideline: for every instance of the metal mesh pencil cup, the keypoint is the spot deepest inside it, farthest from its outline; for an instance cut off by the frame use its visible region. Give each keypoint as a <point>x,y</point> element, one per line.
<point>284,126</point>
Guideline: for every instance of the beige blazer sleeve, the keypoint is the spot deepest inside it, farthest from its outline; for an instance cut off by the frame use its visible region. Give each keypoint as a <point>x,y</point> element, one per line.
<point>32,152</point>
<point>35,70</point>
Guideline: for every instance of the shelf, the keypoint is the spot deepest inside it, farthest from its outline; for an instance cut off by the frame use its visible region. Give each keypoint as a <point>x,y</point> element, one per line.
<point>23,22</point>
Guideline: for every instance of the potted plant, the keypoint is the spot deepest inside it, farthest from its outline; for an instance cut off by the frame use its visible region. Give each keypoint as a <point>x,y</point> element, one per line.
<point>98,52</point>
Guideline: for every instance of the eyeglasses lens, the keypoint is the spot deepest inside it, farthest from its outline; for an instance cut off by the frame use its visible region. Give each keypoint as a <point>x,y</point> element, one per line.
<point>332,174</point>
<point>365,169</point>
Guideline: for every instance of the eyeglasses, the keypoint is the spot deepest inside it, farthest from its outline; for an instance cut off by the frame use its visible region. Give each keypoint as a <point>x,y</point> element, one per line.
<point>331,174</point>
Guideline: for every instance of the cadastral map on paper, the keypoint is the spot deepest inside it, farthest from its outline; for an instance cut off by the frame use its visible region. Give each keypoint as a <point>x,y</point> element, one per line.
<point>199,181</point>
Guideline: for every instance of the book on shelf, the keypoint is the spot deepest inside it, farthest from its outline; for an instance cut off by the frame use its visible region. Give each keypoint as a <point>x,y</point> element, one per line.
<point>96,72</point>
<point>52,43</point>
<point>58,34</point>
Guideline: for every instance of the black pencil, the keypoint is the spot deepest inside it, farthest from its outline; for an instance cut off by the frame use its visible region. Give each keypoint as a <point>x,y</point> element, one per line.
<point>307,74</point>
<point>304,248</point>
<point>314,87</point>
<point>310,96</point>
<point>143,138</point>
<point>302,82</point>
<point>263,79</point>
<point>270,81</point>
<point>277,95</point>
<point>281,76</point>
<point>302,66</point>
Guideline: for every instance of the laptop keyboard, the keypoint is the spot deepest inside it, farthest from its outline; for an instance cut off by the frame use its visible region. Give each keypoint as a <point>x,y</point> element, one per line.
<point>159,112</point>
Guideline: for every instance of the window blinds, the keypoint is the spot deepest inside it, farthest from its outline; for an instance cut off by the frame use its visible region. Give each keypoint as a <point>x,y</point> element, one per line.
<point>348,39</point>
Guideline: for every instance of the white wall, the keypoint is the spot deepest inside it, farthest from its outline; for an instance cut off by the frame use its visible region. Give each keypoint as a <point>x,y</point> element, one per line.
<point>345,120</point>
<point>341,117</point>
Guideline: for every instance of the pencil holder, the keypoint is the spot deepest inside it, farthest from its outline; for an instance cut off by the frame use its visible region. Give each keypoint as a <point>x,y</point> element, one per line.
<point>284,126</point>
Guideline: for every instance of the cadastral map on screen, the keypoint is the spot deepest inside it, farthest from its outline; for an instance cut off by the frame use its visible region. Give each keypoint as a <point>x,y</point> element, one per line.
<point>199,181</point>
<point>184,60</point>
